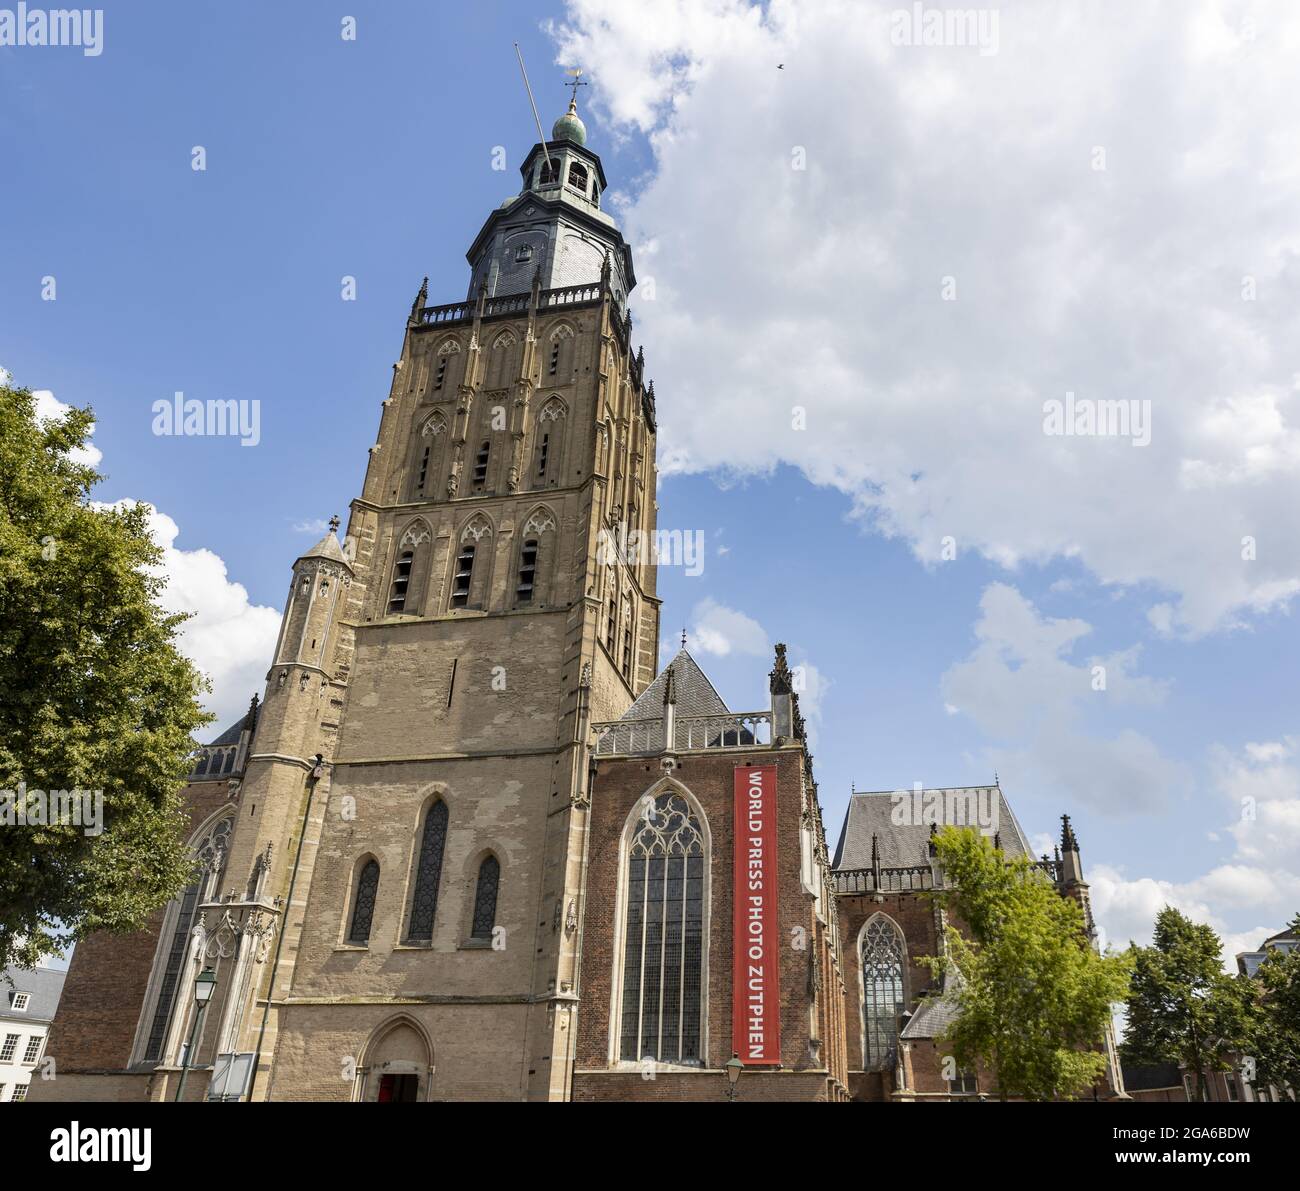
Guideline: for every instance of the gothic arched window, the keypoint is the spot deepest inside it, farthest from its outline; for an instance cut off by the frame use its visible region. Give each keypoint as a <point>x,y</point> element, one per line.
<point>446,366</point>
<point>485,898</point>
<point>410,570</point>
<point>548,450</point>
<point>426,457</point>
<point>428,874</point>
<point>363,904</point>
<point>210,857</point>
<point>882,992</point>
<point>500,361</point>
<point>560,363</point>
<point>661,1015</point>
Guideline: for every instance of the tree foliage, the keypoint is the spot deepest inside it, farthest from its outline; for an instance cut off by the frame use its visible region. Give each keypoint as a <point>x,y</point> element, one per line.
<point>94,696</point>
<point>1034,996</point>
<point>1182,1006</point>
<point>1274,1031</point>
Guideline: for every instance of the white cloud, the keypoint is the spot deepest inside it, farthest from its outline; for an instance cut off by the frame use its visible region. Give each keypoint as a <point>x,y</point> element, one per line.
<point>228,637</point>
<point>720,630</point>
<point>1019,685</point>
<point>317,525</point>
<point>48,408</point>
<point>1260,791</point>
<point>778,287</point>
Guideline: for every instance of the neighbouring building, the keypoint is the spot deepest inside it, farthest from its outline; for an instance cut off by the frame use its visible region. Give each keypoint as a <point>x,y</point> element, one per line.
<point>1170,1082</point>
<point>28,1000</point>
<point>472,842</point>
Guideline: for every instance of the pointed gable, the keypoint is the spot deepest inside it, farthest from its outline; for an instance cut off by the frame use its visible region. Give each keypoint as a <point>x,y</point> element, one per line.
<point>694,693</point>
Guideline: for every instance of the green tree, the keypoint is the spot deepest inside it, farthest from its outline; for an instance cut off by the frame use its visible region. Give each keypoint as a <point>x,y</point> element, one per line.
<point>1274,1033</point>
<point>1034,997</point>
<point>1182,1006</point>
<point>94,696</point>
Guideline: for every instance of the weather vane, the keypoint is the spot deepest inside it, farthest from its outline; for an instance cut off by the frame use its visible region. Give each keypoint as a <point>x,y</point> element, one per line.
<point>578,81</point>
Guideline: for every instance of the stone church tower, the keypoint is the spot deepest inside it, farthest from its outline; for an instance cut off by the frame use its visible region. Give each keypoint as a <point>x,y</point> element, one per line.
<point>445,662</point>
<point>398,857</point>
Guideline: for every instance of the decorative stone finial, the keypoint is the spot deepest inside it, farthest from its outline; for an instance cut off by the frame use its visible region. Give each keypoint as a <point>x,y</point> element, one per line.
<point>781,680</point>
<point>1068,841</point>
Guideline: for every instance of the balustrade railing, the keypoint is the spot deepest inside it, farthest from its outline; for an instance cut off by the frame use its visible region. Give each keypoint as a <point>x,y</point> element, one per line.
<point>883,880</point>
<point>690,734</point>
<point>548,299</point>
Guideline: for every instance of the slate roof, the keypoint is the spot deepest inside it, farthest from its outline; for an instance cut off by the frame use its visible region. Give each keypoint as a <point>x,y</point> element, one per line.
<point>695,693</point>
<point>231,734</point>
<point>933,1016</point>
<point>45,986</point>
<point>905,844</point>
<point>328,547</point>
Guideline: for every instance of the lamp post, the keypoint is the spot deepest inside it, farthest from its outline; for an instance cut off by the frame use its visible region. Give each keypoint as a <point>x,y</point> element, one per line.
<point>733,1069</point>
<point>205,984</point>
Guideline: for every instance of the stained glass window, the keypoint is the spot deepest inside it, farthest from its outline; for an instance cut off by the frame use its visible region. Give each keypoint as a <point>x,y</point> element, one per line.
<point>424,902</point>
<point>211,860</point>
<point>485,898</point>
<point>663,930</point>
<point>882,991</point>
<point>363,909</point>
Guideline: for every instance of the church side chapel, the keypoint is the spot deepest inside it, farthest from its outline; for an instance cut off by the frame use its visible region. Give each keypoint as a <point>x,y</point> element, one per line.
<point>472,842</point>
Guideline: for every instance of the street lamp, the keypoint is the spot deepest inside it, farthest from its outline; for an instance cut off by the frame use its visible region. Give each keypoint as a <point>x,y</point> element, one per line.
<point>205,984</point>
<point>733,1069</point>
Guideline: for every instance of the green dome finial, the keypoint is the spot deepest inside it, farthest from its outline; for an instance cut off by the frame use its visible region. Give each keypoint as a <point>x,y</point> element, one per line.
<point>569,127</point>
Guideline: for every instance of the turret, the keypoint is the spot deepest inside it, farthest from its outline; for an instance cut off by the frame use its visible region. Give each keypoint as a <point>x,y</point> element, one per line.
<point>781,686</point>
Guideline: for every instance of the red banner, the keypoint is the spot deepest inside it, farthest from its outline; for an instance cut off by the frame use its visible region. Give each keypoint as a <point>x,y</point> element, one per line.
<point>756,993</point>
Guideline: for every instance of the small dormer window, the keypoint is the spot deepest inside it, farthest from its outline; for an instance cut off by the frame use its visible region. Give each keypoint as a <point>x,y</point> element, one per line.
<point>523,254</point>
<point>579,179</point>
<point>21,1001</point>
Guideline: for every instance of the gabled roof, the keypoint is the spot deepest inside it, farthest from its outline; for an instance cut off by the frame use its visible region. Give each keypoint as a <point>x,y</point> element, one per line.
<point>45,986</point>
<point>694,692</point>
<point>908,842</point>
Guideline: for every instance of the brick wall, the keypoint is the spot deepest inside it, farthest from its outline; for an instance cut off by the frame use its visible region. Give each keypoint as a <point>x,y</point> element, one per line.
<point>95,1025</point>
<point>617,787</point>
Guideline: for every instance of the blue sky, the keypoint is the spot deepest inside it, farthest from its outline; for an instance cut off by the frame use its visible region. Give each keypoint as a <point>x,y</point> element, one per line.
<point>775,287</point>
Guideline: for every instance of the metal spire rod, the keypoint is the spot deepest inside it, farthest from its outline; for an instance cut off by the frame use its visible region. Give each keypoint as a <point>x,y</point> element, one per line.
<point>540,135</point>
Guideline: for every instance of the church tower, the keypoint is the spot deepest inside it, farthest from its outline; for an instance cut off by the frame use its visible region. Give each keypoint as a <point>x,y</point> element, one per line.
<point>419,773</point>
